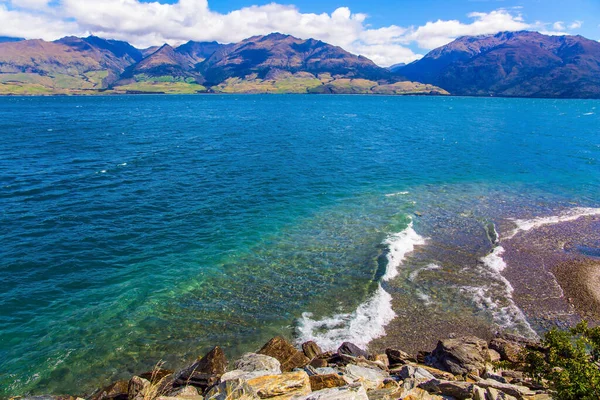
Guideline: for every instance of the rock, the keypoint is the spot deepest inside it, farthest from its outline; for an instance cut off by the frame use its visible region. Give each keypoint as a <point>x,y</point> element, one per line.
<point>422,356</point>
<point>284,386</point>
<point>361,361</point>
<point>494,356</point>
<point>396,357</point>
<point>231,390</point>
<point>460,356</point>
<point>456,389</point>
<point>385,394</point>
<point>311,350</point>
<point>320,382</point>
<point>491,375</point>
<point>514,390</point>
<point>137,388</point>
<point>419,394</point>
<point>409,371</point>
<point>252,362</point>
<point>285,353</point>
<point>493,394</point>
<point>187,391</point>
<point>238,374</point>
<point>156,375</point>
<point>382,359</point>
<point>116,391</point>
<point>350,349</point>
<point>205,372</point>
<point>478,393</point>
<point>350,392</point>
<point>509,351</point>
<point>318,363</point>
<point>511,376</point>
<point>369,377</point>
<point>326,371</point>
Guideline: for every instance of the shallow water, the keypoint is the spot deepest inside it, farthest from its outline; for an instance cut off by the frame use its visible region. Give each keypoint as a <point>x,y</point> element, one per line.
<point>136,229</point>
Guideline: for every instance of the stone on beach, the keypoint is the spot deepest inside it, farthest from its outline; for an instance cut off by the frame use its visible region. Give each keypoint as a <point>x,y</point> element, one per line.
<point>284,386</point>
<point>397,357</point>
<point>116,391</point>
<point>350,349</point>
<point>137,388</point>
<point>320,382</point>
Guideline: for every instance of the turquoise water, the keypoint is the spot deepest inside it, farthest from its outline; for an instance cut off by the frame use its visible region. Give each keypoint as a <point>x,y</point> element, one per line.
<point>141,228</point>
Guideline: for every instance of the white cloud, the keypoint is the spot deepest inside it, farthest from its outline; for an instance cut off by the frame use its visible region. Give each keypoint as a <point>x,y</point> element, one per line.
<point>146,24</point>
<point>559,26</point>
<point>576,25</point>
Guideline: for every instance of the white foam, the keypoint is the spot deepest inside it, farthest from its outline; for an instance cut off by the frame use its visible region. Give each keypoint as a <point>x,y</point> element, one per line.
<point>360,327</point>
<point>400,244</point>
<point>415,274</point>
<point>590,113</point>
<point>524,225</point>
<point>370,318</point>
<point>396,194</point>
<point>509,315</point>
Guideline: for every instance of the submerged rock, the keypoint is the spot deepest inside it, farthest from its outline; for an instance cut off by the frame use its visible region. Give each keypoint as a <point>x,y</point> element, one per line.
<point>466,355</point>
<point>285,353</point>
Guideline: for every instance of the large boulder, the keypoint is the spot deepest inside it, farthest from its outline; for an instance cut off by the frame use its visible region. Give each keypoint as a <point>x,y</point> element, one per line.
<point>370,378</point>
<point>413,372</point>
<point>205,372</point>
<point>462,356</point>
<point>285,353</point>
<point>517,391</point>
<point>251,362</point>
<point>350,392</point>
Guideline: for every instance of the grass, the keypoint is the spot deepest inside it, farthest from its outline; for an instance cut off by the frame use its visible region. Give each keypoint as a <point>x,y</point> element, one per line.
<point>289,84</point>
<point>161,87</point>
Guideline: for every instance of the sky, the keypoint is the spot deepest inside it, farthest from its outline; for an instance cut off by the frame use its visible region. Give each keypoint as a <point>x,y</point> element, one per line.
<point>386,31</point>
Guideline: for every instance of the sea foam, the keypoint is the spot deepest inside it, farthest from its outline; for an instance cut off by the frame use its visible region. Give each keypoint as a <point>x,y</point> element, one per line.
<point>505,314</point>
<point>368,321</point>
<point>524,225</point>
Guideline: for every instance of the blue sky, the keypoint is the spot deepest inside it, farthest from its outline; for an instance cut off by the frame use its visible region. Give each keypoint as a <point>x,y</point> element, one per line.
<point>388,31</point>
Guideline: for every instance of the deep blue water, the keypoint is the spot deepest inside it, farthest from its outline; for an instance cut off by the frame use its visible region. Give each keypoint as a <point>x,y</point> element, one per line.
<point>141,228</point>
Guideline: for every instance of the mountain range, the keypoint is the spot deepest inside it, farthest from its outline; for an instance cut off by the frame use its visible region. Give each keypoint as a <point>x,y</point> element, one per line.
<point>273,63</point>
<point>519,64</point>
<point>514,64</point>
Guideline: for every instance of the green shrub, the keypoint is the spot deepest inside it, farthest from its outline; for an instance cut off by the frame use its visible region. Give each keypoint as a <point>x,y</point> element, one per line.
<point>569,362</point>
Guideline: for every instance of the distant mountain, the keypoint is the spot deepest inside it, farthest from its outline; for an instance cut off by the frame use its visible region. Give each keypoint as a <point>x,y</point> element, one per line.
<point>274,63</point>
<point>6,39</point>
<point>520,64</point>
<point>260,55</point>
<point>396,67</point>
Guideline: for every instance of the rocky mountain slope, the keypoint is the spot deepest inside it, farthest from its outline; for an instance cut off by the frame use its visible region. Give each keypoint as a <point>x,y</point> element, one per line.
<point>519,64</point>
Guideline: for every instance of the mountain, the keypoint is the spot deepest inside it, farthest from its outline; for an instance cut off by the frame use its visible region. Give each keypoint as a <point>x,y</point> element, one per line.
<point>519,64</point>
<point>66,65</point>
<point>260,55</point>
<point>273,63</point>
<point>396,67</point>
<point>6,39</point>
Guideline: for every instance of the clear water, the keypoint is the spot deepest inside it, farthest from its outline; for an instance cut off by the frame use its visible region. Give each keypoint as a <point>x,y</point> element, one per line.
<point>135,229</point>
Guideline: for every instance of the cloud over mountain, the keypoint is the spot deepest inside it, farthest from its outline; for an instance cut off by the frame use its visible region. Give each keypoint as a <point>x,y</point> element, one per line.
<point>145,24</point>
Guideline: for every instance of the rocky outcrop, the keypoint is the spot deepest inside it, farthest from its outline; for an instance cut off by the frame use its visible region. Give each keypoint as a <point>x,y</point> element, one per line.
<point>205,372</point>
